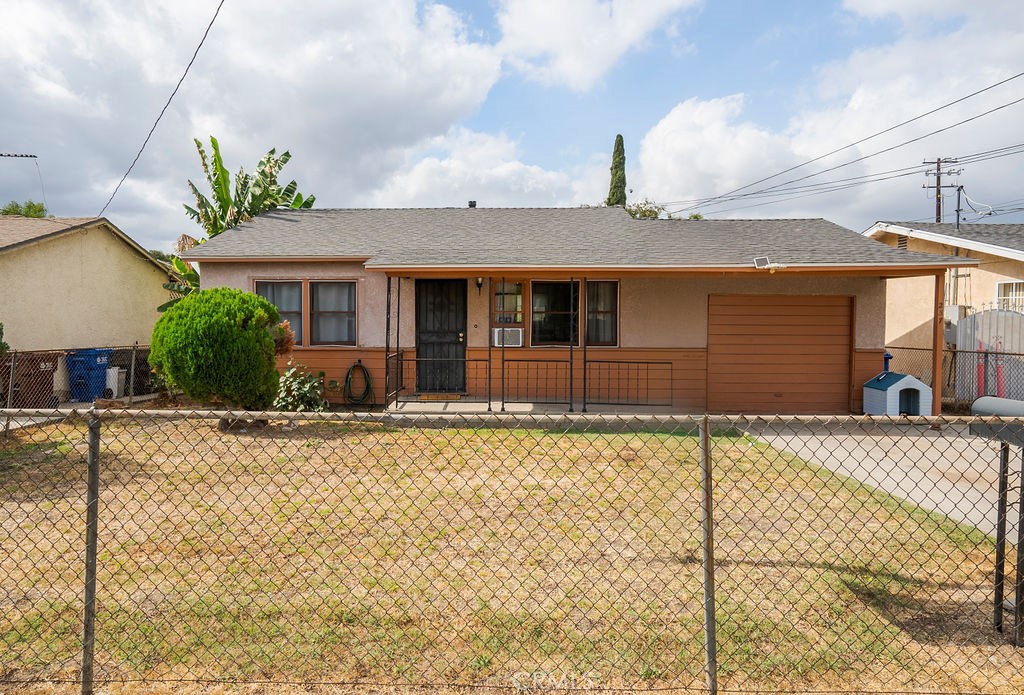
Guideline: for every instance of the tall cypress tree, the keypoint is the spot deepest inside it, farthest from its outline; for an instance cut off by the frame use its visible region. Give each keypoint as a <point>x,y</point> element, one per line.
<point>617,189</point>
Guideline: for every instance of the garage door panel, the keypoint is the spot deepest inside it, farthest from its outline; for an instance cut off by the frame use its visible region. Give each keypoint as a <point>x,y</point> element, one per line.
<point>779,354</point>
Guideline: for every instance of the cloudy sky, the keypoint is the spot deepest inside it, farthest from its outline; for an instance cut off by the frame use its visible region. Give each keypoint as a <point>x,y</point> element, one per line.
<point>517,103</point>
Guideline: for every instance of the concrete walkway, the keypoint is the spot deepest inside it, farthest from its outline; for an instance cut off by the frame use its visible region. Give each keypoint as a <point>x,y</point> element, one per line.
<point>948,471</point>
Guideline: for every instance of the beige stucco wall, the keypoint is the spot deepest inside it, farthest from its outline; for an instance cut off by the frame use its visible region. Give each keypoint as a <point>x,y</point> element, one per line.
<point>672,312</point>
<point>909,304</point>
<point>87,288</point>
<point>654,312</point>
<point>371,291</point>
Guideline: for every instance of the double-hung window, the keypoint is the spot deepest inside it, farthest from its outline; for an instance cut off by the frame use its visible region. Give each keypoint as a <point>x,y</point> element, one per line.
<point>555,313</point>
<point>287,297</point>
<point>508,303</point>
<point>332,313</point>
<point>556,310</point>
<point>603,312</point>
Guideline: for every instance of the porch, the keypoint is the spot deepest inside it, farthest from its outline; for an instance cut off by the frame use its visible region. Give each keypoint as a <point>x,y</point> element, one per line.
<point>522,361</point>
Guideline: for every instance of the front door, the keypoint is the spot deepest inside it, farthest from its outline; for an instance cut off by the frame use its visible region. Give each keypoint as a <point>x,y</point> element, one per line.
<point>441,336</point>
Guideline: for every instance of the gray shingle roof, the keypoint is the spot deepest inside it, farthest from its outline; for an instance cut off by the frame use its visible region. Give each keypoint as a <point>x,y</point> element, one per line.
<point>16,230</point>
<point>1008,236</point>
<point>597,237</point>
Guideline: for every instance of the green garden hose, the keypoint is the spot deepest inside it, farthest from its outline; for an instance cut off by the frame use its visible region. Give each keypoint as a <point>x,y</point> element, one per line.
<point>367,384</point>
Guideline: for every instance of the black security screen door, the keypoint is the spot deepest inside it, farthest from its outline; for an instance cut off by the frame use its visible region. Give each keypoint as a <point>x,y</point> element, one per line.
<point>441,336</point>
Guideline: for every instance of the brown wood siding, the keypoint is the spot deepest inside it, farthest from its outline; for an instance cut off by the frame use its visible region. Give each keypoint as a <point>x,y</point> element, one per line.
<point>684,388</point>
<point>866,364</point>
<point>779,354</point>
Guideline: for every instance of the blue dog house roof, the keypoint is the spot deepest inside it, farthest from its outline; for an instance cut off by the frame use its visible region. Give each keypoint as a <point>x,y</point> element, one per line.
<point>886,380</point>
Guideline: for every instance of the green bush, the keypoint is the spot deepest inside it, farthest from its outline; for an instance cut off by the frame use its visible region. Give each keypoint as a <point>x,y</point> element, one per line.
<point>299,391</point>
<point>4,347</point>
<point>218,344</point>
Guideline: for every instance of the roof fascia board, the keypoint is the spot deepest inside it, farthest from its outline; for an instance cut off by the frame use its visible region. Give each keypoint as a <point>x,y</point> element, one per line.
<point>960,242</point>
<point>274,259</point>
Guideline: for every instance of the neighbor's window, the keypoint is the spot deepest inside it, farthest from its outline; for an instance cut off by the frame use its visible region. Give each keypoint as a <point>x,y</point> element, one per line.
<point>508,303</point>
<point>602,312</point>
<point>287,297</point>
<point>555,309</point>
<point>332,313</point>
<point>1010,295</point>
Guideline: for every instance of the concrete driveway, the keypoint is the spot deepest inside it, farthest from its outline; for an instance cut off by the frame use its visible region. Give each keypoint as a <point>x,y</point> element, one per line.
<point>947,470</point>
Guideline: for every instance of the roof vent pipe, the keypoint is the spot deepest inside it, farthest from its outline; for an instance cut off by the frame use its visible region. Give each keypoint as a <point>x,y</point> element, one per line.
<point>472,203</point>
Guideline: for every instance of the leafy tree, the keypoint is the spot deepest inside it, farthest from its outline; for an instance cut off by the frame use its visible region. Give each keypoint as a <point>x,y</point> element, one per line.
<point>29,208</point>
<point>161,255</point>
<point>645,210</point>
<point>617,187</point>
<point>4,347</point>
<point>695,216</point>
<point>219,344</point>
<point>226,208</point>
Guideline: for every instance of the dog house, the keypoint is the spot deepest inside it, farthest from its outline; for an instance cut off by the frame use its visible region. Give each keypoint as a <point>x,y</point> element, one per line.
<point>892,393</point>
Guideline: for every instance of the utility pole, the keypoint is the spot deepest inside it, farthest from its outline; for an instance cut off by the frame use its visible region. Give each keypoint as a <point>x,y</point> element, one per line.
<point>939,161</point>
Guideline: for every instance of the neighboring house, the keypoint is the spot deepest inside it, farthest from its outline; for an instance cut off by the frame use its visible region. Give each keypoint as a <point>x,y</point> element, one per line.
<point>74,283</point>
<point>995,280</point>
<point>593,307</point>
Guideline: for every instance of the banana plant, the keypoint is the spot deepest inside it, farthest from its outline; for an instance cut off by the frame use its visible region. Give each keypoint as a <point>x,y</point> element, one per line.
<point>188,282</point>
<point>252,195</point>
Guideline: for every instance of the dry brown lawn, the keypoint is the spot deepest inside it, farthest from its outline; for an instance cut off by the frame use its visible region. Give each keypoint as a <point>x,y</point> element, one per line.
<point>390,558</point>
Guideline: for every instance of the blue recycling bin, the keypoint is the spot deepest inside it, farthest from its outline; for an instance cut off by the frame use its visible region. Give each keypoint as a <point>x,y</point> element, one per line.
<point>87,371</point>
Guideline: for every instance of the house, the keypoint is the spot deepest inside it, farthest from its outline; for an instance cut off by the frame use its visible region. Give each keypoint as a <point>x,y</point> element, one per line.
<point>578,306</point>
<point>995,281</point>
<point>75,282</point>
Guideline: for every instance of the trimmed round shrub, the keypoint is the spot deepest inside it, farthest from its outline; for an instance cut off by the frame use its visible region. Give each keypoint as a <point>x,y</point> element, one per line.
<point>218,344</point>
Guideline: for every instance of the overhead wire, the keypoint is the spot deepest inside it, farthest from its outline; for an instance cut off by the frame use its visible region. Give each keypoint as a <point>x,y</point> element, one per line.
<point>865,139</point>
<point>859,159</point>
<point>775,195</point>
<point>164,109</point>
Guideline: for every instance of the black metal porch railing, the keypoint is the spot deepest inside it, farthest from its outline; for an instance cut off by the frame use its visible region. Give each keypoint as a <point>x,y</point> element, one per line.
<point>537,381</point>
<point>530,380</point>
<point>628,382</point>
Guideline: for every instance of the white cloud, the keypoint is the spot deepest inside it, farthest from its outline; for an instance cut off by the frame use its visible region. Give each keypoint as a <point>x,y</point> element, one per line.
<point>347,86</point>
<point>701,148</point>
<point>708,147</point>
<point>575,42</point>
<point>465,165</point>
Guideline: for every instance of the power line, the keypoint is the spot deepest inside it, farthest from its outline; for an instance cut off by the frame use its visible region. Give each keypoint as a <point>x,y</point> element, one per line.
<point>873,154</point>
<point>796,192</point>
<point>853,144</point>
<point>164,109</point>
<point>39,171</point>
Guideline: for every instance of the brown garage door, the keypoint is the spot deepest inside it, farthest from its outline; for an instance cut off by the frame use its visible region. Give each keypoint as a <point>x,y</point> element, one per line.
<point>778,354</point>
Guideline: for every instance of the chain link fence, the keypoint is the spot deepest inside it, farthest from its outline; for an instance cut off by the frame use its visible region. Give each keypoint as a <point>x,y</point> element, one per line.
<point>511,553</point>
<point>966,374</point>
<point>54,378</point>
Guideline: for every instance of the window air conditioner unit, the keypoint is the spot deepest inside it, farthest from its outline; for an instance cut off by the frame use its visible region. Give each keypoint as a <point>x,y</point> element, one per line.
<point>508,337</point>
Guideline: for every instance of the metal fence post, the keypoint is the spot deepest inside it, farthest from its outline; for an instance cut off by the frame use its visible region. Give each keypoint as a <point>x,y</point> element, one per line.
<point>1004,471</point>
<point>131,373</point>
<point>91,542</point>
<point>10,383</point>
<point>10,391</point>
<point>708,531</point>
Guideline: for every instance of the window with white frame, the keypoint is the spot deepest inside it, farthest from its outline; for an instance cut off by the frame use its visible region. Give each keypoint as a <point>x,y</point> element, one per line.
<point>1010,295</point>
<point>287,297</point>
